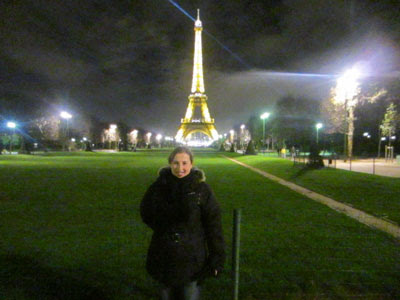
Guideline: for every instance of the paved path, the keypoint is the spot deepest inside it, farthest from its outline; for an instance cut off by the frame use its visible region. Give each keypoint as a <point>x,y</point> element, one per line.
<point>354,213</point>
<point>371,166</point>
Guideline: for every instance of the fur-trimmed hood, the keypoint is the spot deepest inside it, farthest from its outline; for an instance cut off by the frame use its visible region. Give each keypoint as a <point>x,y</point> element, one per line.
<point>198,174</point>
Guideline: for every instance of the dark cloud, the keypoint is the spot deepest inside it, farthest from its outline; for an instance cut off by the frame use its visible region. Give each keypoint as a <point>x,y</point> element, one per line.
<point>132,60</point>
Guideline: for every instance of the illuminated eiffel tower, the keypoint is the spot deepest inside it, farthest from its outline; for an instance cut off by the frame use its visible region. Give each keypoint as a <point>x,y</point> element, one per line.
<point>197,98</point>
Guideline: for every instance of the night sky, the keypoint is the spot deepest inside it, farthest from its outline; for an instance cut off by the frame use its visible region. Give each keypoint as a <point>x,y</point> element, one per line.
<point>132,61</point>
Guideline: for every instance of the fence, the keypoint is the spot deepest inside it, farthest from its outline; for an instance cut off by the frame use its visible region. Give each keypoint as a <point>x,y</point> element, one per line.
<point>371,165</point>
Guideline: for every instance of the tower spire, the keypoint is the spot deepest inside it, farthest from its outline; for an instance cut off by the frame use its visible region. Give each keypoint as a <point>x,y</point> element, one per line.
<point>198,80</point>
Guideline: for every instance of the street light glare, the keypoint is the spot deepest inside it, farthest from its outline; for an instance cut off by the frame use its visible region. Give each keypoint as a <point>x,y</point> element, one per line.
<point>264,116</point>
<point>242,126</point>
<point>11,125</point>
<point>65,115</point>
<point>318,125</point>
<point>347,85</point>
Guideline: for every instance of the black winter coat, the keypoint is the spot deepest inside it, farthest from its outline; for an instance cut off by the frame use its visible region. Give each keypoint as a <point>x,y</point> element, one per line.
<point>187,240</point>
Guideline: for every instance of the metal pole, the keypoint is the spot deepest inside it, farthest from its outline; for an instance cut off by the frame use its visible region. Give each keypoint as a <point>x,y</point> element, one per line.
<point>235,253</point>
<point>373,165</point>
<point>263,132</point>
<point>11,139</point>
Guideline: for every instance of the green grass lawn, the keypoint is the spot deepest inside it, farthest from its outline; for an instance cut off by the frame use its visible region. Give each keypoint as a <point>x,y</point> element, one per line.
<point>377,195</point>
<point>70,229</point>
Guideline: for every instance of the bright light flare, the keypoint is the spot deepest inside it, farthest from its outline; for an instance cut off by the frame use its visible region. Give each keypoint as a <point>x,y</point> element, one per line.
<point>318,125</point>
<point>347,86</point>
<point>199,143</point>
<point>264,116</point>
<point>11,124</point>
<point>158,137</point>
<point>65,115</point>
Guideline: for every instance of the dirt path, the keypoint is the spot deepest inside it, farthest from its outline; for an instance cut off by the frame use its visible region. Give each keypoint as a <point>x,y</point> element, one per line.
<point>354,213</point>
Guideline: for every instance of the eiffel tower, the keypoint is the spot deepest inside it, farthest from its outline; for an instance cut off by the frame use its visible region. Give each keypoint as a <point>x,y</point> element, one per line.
<point>197,98</point>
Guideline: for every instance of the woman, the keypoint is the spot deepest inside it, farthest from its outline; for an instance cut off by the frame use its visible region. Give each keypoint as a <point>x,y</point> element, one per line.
<point>187,243</point>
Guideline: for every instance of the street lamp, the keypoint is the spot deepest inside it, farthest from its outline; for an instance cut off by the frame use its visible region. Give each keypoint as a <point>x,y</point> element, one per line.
<point>158,138</point>
<point>242,127</point>
<point>347,88</point>
<point>148,138</point>
<point>318,126</point>
<point>66,116</point>
<point>232,133</point>
<point>113,135</point>
<point>12,126</point>
<point>263,117</point>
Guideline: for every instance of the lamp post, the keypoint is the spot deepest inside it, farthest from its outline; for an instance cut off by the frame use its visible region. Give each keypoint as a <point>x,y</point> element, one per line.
<point>12,126</point>
<point>347,88</point>
<point>318,126</point>
<point>263,117</point>
<point>113,135</point>
<point>242,127</point>
<point>232,134</point>
<point>66,116</point>
<point>158,138</point>
<point>148,139</point>
<point>134,135</point>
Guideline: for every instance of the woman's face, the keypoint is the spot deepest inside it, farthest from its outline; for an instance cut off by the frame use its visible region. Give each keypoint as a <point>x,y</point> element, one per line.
<point>181,165</point>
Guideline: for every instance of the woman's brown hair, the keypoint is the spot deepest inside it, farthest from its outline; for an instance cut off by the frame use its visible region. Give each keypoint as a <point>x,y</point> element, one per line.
<point>180,149</point>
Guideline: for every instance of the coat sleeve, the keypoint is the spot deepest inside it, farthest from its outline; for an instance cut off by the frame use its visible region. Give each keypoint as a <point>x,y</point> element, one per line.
<point>211,218</point>
<point>148,206</point>
<point>154,210</point>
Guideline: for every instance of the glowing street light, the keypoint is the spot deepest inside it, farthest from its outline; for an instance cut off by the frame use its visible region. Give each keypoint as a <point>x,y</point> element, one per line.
<point>318,126</point>
<point>347,88</point>
<point>232,133</point>
<point>66,116</point>
<point>263,117</point>
<point>11,125</point>
<point>158,138</point>
<point>148,137</point>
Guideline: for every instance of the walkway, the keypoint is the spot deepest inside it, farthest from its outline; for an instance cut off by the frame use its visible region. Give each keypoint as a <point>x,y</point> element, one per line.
<point>354,213</point>
<point>371,166</point>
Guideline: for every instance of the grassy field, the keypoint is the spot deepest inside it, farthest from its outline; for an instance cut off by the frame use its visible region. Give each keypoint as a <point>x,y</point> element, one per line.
<point>374,194</point>
<point>70,229</point>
